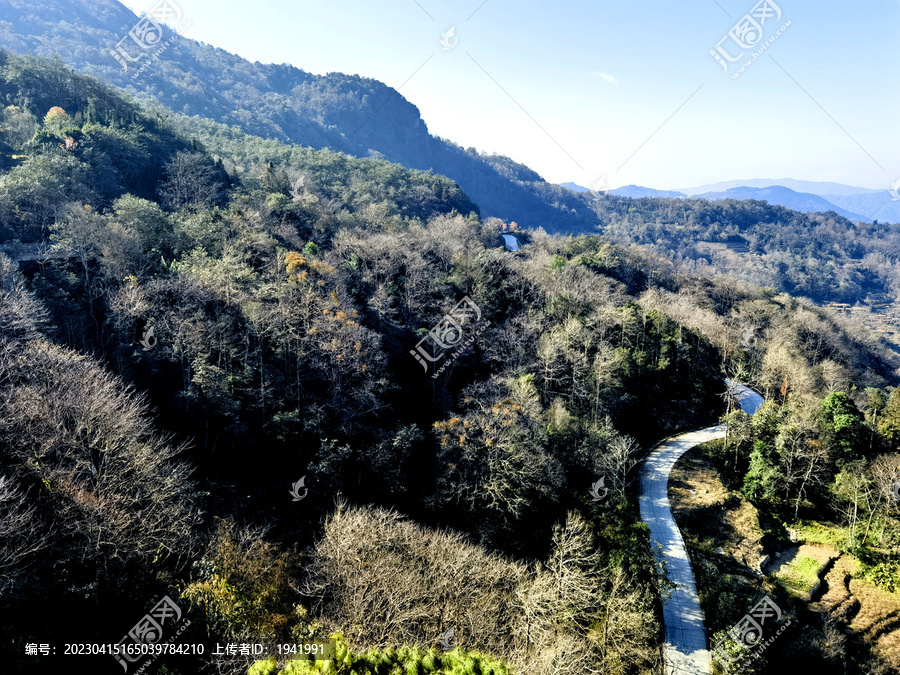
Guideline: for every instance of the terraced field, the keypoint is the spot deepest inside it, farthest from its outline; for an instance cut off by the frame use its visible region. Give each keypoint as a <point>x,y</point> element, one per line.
<point>837,615</point>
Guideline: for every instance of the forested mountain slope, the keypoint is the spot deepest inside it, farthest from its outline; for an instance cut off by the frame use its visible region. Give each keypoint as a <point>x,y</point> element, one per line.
<point>345,113</point>
<point>821,256</point>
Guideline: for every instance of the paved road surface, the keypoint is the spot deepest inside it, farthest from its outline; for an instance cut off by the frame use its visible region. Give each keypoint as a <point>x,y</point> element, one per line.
<point>749,399</point>
<point>685,649</point>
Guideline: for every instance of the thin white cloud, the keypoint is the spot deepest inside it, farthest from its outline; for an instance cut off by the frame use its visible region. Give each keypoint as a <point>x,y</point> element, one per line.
<point>609,78</point>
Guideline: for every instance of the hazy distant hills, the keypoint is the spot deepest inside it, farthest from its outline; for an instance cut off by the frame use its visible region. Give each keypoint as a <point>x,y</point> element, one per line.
<point>574,187</point>
<point>798,201</point>
<point>632,191</point>
<point>811,187</point>
<point>880,206</point>
<point>638,192</point>
<point>853,203</point>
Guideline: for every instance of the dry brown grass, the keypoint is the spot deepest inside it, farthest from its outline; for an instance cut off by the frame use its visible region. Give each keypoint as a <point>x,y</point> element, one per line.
<point>710,516</point>
<point>850,611</point>
<point>878,619</point>
<point>867,611</point>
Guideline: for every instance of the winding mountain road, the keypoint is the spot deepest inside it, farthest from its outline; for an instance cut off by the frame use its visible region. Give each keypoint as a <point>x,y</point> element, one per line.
<point>685,649</point>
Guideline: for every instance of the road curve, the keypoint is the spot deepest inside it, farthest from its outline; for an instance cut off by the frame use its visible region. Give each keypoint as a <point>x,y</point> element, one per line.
<point>685,649</point>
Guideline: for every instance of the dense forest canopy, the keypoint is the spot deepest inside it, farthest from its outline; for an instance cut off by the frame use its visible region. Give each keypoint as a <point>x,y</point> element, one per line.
<point>207,316</point>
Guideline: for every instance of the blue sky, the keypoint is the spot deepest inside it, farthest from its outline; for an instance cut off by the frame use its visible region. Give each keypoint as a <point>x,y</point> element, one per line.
<point>583,89</point>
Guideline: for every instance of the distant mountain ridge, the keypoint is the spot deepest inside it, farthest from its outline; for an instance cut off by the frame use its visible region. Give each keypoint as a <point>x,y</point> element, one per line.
<point>631,191</point>
<point>638,192</point>
<point>864,199</point>
<point>823,189</point>
<point>863,204</point>
<point>798,201</point>
<point>574,187</point>
<point>347,113</point>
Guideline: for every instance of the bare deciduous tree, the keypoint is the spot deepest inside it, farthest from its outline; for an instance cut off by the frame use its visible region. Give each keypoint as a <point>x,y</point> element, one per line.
<point>22,534</point>
<point>579,616</point>
<point>386,581</point>
<point>22,316</point>
<point>191,181</point>
<point>115,488</point>
<point>619,458</point>
<point>492,462</point>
